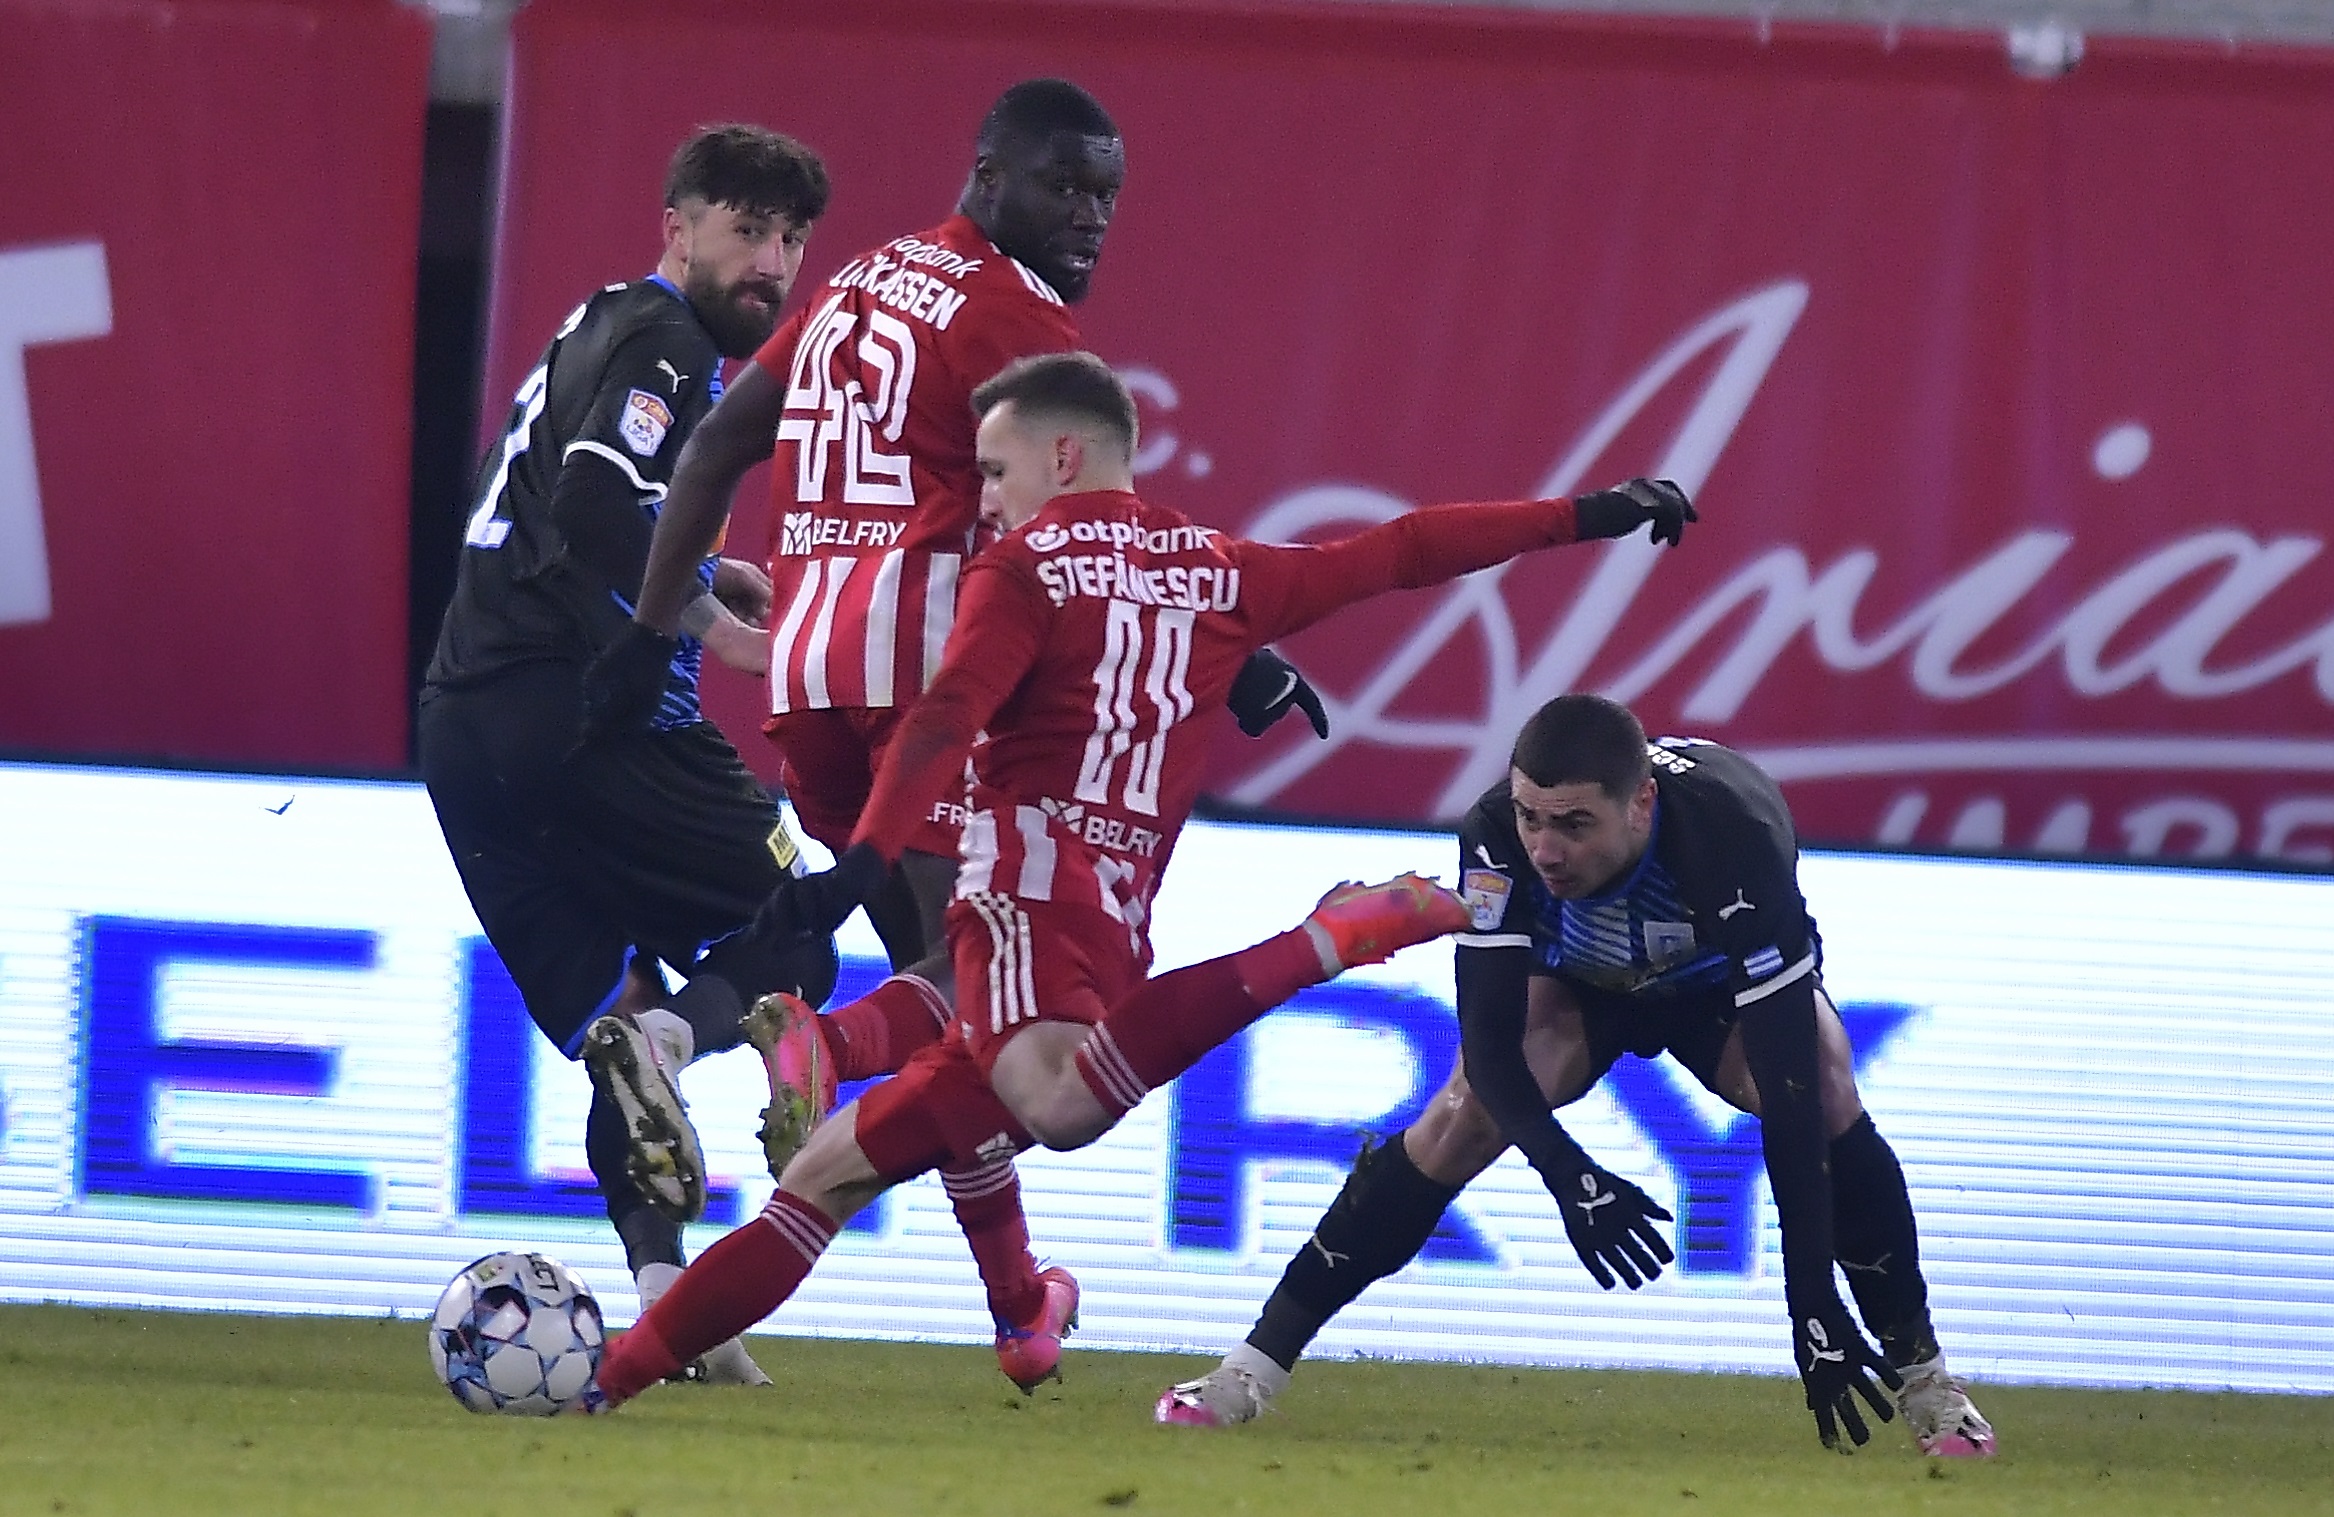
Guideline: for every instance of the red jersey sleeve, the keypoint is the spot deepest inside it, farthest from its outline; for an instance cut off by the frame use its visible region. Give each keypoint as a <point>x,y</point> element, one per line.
<point>1001,613</point>
<point>1295,587</point>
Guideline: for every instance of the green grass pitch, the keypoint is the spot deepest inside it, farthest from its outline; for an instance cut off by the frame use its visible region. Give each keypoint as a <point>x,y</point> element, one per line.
<point>162,1413</point>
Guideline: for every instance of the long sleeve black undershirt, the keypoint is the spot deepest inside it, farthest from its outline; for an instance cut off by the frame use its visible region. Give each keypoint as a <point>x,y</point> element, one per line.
<point>1494,1000</point>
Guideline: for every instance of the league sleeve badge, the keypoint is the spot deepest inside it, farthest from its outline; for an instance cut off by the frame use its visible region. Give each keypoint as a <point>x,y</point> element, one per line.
<point>1485,892</point>
<point>644,423</point>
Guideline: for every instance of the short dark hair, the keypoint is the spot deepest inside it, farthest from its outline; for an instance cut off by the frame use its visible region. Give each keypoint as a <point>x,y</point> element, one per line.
<point>1035,109</point>
<point>1584,739</point>
<point>752,168</point>
<point>1074,387</point>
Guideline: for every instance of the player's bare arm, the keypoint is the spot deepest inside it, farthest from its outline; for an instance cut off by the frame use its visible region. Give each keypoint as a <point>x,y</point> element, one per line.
<point>744,588</point>
<point>734,436</point>
<point>732,620</point>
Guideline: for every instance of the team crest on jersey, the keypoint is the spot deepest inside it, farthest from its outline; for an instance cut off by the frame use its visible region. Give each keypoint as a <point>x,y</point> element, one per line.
<point>1485,891</point>
<point>645,422</point>
<point>1668,942</point>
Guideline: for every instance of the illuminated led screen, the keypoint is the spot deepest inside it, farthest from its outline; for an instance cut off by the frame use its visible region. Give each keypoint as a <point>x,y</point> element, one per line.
<point>255,1055</point>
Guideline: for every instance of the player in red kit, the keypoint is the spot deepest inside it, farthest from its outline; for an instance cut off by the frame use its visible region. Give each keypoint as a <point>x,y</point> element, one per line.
<point>874,511</point>
<point>1091,638</point>
<point>874,495</point>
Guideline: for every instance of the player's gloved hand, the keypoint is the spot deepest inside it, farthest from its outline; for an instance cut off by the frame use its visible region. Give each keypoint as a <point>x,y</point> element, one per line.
<point>624,685</point>
<point>1610,1222</point>
<point>1836,1365</point>
<point>1267,686</point>
<point>814,905</point>
<point>1624,508</point>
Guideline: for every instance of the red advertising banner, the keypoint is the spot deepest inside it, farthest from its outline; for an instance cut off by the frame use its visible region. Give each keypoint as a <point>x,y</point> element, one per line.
<point>2005,400</point>
<point>207,253</point>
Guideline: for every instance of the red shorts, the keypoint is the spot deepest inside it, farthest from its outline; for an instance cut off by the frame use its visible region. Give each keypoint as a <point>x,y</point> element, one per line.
<point>1019,962</point>
<point>827,762</point>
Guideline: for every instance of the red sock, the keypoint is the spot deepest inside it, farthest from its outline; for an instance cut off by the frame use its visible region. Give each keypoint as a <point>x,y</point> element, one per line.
<point>731,1286</point>
<point>875,1034</point>
<point>1279,967</point>
<point>987,1198</point>
<point>1172,1022</point>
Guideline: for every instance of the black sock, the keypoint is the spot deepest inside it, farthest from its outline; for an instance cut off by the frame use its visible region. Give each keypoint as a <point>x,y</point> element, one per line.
<point>1377,1224</point>
<point>755,965</point>
<point>1878,1244</point>
<point>649,1238</point>
<point>714,1010</point>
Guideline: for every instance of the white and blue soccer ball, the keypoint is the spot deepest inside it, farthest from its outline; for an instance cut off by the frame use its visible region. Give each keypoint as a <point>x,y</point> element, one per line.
<point>518,1334</point>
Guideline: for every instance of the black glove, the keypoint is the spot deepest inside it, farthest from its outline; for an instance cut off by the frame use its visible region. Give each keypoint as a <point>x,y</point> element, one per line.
<point>1624,508</point>
<point>1268,685</point>
<point>1834,1361</point>
<point>1610,1222</point>
<point>624,685</point>
<point>814,905</point>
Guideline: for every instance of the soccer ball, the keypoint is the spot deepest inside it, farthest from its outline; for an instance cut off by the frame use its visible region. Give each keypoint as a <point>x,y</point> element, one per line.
<point>516,1333</point>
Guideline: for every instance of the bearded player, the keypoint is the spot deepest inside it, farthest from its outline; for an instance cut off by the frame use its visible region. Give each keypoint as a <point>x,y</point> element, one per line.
<point>576,858</point>
<point>1094,636</point>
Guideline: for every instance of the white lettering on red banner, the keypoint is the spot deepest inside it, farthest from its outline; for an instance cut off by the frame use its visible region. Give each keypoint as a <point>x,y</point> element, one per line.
<point>52,294</point>
<point>2165,618</point>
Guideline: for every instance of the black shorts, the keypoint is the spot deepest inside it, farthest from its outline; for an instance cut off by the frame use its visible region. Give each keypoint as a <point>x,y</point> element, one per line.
<point>665,842</point>
<point>1692,1028</point>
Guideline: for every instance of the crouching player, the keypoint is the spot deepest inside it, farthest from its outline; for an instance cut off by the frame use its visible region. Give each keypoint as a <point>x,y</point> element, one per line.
<point>1642,898</point>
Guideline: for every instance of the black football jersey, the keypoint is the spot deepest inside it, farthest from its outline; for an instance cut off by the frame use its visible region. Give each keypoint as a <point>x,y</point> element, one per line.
<point>626,378</point>
<point>1714,902</point>
<point>1711,910</point>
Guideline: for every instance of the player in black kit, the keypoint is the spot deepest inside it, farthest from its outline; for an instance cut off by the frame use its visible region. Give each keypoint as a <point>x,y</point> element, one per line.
<point>589,864</point>
<point>1639,898</point>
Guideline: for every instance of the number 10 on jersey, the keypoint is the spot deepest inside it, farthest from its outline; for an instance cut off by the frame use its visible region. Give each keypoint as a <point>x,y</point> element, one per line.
<point>1134,696</point>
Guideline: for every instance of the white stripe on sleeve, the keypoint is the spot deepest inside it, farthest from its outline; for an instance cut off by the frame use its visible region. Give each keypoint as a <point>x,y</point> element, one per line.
<point>1766,988</point>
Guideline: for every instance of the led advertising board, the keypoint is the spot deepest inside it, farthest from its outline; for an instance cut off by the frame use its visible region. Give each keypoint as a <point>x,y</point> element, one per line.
<point>255,1055</point>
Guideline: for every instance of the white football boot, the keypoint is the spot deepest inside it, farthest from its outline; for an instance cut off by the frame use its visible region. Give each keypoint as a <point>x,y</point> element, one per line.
<point>661,1150</point>
<point>1240,1389</point>
<point>1938,1410</point>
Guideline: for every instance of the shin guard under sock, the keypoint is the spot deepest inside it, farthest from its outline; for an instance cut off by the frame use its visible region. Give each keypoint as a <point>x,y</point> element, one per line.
<point>875,1034</point>
<point>1170,1023</point>
<point>987,1198</point>
<point>1377,1224</point>
<point>1878,1243</point>
<point>733,1285</point>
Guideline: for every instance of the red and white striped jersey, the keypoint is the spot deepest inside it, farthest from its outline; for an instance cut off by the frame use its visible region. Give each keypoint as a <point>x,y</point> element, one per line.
<point>1091,640</point>
<point>874,493</point>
